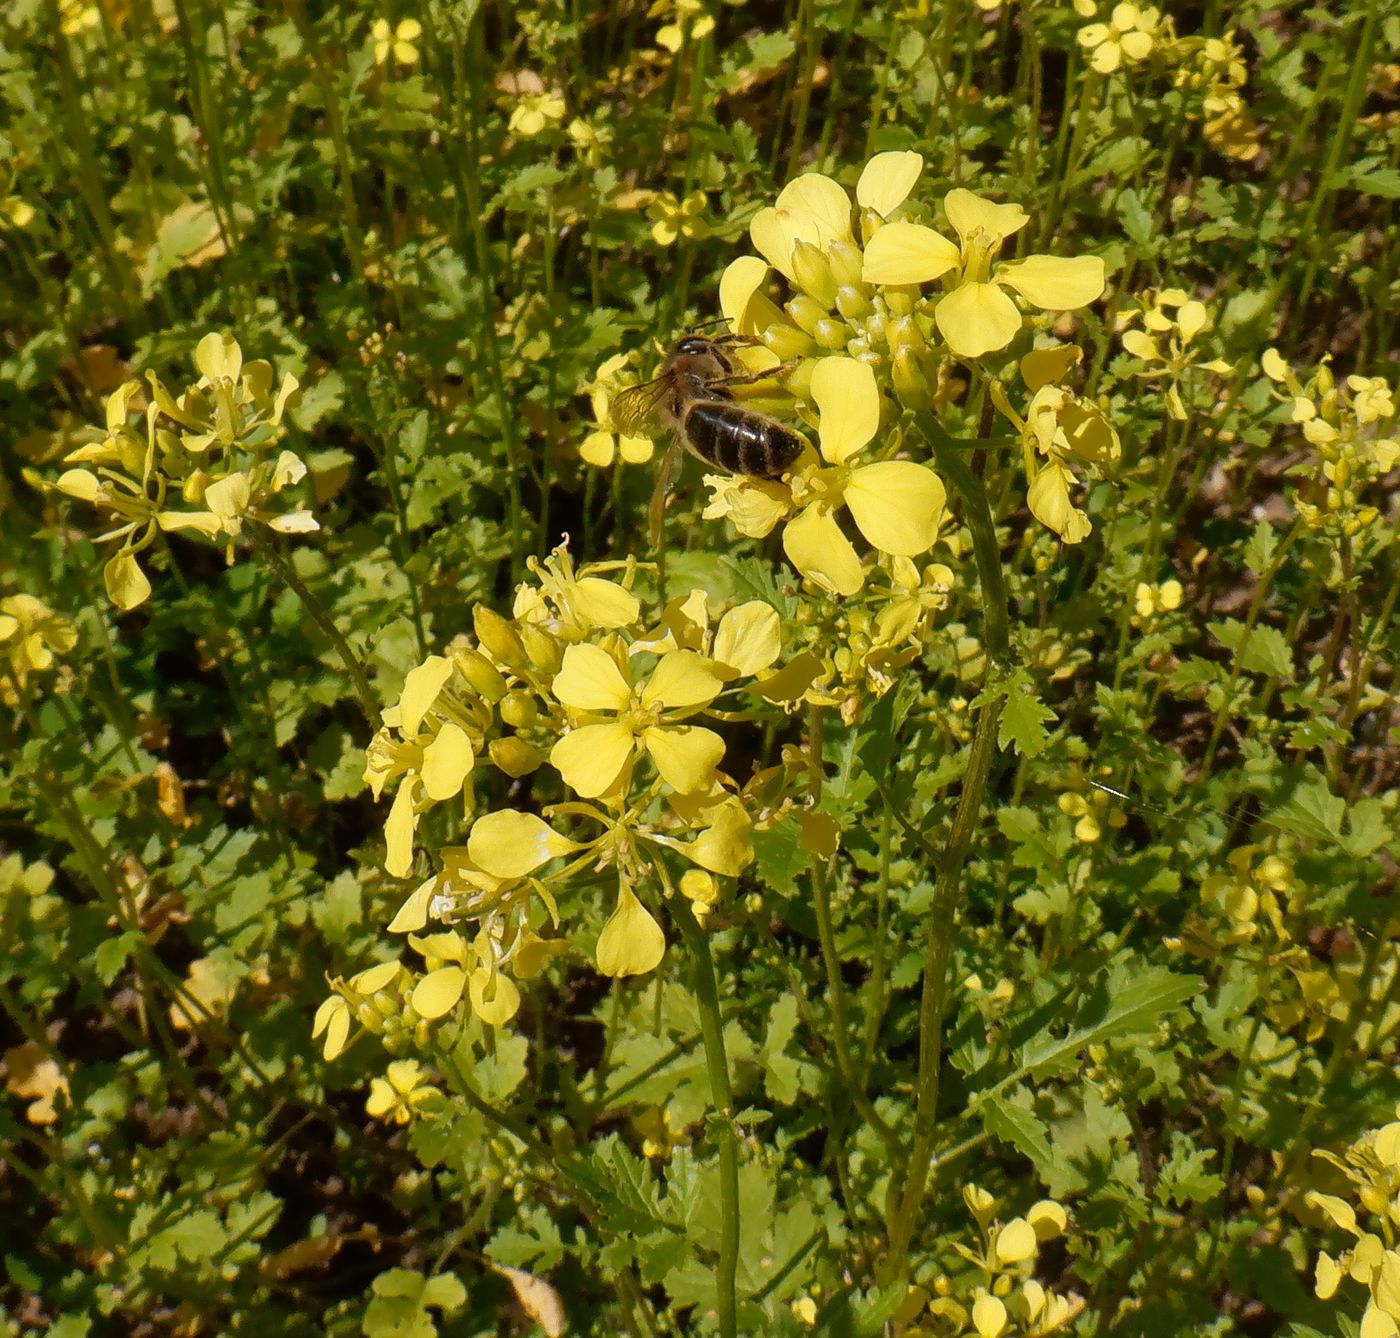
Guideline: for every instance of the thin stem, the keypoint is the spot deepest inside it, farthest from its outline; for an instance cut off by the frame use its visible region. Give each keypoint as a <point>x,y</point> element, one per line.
<point>270,553</point>
<point>938,946</point>
<point>722,1098</point>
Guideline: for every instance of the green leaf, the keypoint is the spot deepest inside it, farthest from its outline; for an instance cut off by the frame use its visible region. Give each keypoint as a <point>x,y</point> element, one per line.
<point>110,955</point>
<point>1312,811</point>
<point>1382,182</point>
<point>1264,651</point>
<point>1017,1126</point>
<point>1111,1010</point>
<point>1024,719</point>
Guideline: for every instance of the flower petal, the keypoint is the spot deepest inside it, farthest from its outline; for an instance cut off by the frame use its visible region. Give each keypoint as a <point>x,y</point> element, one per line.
<point>848,400</point>
<point>749,637</point>
<point>589,680</point>
<point>126,583</point>
<point>421,686</point>
<point>683,678</point>
<point>685,755</point>
<point>1048,499</point>
<point>438,992</point>
<point>887,179</point>
<point>591,759</point>
<point>907,253</point>
<point>602,603</point>
<point>399,829</point>
<point>631,943</point>
<point>977,318</point>
<point>1049,366</point>
<point>510,844</point>
<point>820,199</point>
<point>447,762</point>
<point>1055,283</point>
<point>774,232</point>
<point>897,505</point>
<point>815,545</point>
<point>971,214</point>
<point>495,997</point>
<point>724,846</point>
<point>742,299</point>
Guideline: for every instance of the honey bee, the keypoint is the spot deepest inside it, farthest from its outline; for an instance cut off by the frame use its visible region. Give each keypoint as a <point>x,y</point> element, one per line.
<point>691,395</point>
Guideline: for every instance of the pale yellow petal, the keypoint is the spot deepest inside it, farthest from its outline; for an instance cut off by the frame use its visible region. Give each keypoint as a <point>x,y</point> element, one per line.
<point>887,179</point>
<point>591,759</point>
<point>631,943</point>
<point>774,232</point>
<point>820,199</point>
<point>749,638</point>
<point>970,215</point>
<point>603,603</point>
<point>1015,1241</point>
<point>1055,283</point>
<point>495,996</point>
<point>848,399</point>
<point>977,318</point>
<point>907,253</point>
<point>447,762</point>
<point>399,829</point>
<point>126,583</point>
<point>438,992</point>
<point>815,545</point>
<point>1049,366</point>
<point>897,505</point>
<point>421,686</point>
<point>510,844</point>
<point>589,680</point>
<point>685,755</point>
<point>682,678</point>
<point>742,300</point>
<point>988,1316</point>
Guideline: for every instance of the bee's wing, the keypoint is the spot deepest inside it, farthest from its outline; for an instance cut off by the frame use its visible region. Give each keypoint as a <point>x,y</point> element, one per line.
<point>634,411</point>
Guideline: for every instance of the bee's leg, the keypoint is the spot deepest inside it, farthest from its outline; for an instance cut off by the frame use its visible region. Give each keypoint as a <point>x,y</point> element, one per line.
<point>748,378</point>
<point>656,512</point>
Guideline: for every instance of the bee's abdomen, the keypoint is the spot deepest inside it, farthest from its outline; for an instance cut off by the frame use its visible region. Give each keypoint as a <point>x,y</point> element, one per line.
<point>722,433</point>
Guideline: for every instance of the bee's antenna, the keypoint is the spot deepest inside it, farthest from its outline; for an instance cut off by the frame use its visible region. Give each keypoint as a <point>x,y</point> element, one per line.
<point>705,325</point>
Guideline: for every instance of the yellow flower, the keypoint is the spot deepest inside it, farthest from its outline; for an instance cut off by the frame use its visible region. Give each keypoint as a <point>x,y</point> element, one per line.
<point>690,23</point>
<point>678,218</point>
<point>602,446</point>
<point>535,111</point>
<point>30,634</point>
<point>975,316</point>
<point>399,41</point>
<point>399,1093</point>
<point>76,17</point>
<point>15,212</point>
<point>594,757</point>
<point>1153,599</point>
<point>897,505</point>
<point>1127,37</point>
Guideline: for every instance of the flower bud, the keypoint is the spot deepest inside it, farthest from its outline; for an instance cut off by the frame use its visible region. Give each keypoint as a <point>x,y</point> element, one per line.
<point>853,302</point>
<point>515,757</point>
<point>813,273</point>
<point>877,329</point>
<point>870,223</point>
<point>910,383</point>
<point>900,300</point>
<point>519,710</point>
<point>497,636</point>
<point>543,651</point>
<point>806,311</point>
<point>904,334</point>
<point>483,676</point>
<point>831,334</point>
<point>788,342</point>
<point>846,263</point>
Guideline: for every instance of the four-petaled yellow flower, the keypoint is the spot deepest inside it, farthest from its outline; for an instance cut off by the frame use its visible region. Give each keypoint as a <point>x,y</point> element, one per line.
<point>1127,37</point>
<point>399,1093</point>
<point>974,315</point>
<point>30,633</point>
<point>399,41</point>
<point>595,755</point>
<point>679,218</point>
<point>602,446</point>
<point>535,111</point>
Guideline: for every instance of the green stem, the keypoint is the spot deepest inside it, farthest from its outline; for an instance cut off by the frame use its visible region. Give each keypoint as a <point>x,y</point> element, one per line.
<point>722,1098</point>
<point>269,552</point>
<point>938,945</point>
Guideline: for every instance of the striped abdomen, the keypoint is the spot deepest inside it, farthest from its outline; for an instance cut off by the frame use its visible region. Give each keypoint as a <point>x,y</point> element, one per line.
<point>740,440</point>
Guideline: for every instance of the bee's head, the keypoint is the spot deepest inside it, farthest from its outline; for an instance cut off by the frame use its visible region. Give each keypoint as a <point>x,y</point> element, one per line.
<point>695,346</point>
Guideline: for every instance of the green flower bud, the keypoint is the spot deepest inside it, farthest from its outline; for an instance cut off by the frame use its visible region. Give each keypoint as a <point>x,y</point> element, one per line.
<point>831,334</point>
<point>544,651</point>
<point>870,224</point>
<point>900,301</point>
<point>813,273</point>
<point>498,636</point>
<point>519,710</point>
<point>904,335</point>
<point>515,757</point>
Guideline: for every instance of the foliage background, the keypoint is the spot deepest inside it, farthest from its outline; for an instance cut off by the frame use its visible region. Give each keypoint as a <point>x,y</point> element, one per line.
<point>443,241</point>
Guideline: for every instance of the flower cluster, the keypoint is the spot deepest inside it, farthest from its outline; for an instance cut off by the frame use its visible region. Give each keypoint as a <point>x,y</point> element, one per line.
<point>574,684</point>
<point>1214,68</point>
<point>1001,1297</point>
<point>1127,39</point>
<point>860,336</point>
<point>1372,1165</point>
<point>204,462</point>
<point>31,634</point>
<point>1172,322</point>
<point>1351,431</point>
